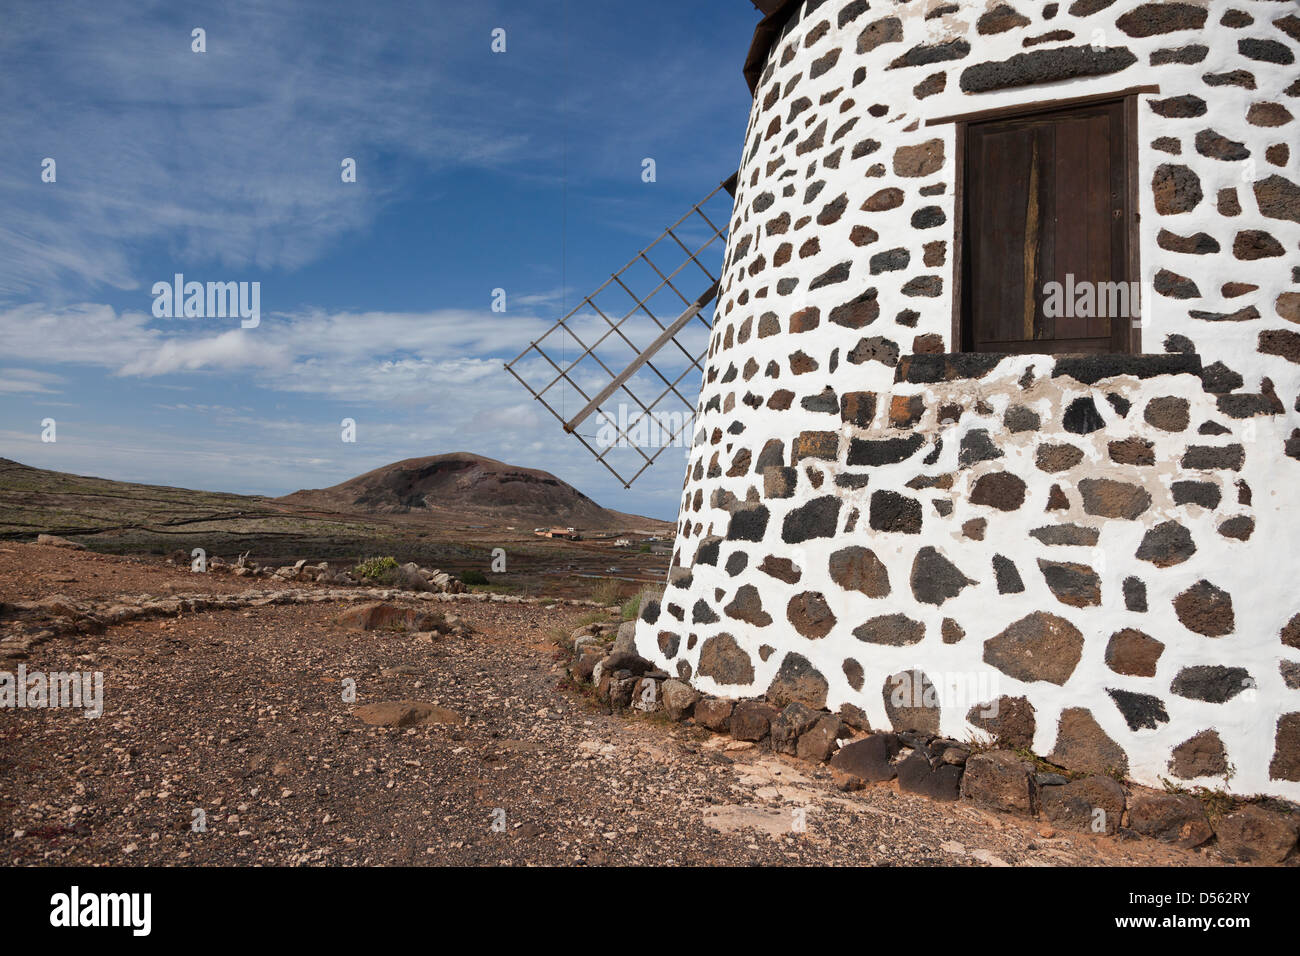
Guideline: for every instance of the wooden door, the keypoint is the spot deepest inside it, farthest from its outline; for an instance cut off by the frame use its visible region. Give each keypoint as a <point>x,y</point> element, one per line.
<point>1047,201</point>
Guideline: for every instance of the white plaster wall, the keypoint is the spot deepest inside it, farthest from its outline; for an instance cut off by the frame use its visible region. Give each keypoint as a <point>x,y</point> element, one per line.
<point>1256,573</point>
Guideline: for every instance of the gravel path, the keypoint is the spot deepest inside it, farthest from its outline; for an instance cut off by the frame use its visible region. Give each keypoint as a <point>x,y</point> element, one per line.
<point>240,714</point>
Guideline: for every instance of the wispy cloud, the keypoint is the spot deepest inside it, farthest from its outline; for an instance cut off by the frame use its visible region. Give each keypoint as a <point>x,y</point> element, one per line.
<point>16,381</point>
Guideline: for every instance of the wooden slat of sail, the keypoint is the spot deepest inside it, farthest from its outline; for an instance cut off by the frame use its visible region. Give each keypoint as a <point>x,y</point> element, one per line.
<point>666,362</point>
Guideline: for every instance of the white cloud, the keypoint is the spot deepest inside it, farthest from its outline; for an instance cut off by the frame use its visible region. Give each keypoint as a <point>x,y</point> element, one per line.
<point>16,381</point>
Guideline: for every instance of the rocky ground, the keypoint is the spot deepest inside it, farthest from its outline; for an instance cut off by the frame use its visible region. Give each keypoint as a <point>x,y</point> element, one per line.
<point>240,714</point>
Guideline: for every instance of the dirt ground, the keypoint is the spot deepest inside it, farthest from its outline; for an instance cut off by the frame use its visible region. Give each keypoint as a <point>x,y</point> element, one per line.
<point>236,719</point>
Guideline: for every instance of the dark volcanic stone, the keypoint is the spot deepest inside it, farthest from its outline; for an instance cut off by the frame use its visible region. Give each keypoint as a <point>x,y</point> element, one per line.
<point>911,702</point>
<point>1198,245</point>
<point>816,519</point>
<point>1203,493</point>
<point>928,369</point>
<point>874,348</point>
<point>1008,577</point>
<point>1167,544</point>
<point>1175,286</point>
<point>1212,683</point>
<point>891,511</point>
<point>1217,146</point>
<point>748,524</point>
<point>722,659</point>
<point>1285,764</point>
<point>1141,711</point>
<point>887,30</point>
<point>1132,451</point>
<point>1044,66</point>
<point>1192,53</point>
<point>941,782</point>
<point>869,760</point>
<point>927,53</point>
<point>924,159</point>
<point>1066,534</point>
<point>935,579</point>
<point>1202,755</point>
<point>999,779</point>
<point>810,615</point>
<point>976,446</point>
<point>1000,19</point>
<point>701,613</point>
<point>1252,244</point>
<point>884,451</point>
<point>893,630</point>
<point>1089,805</point>
<point>1176,818</point>
<point>1280,342</point>
<point>1133,653</point>
<point>1208,457</point>
<point>858,408</point>
<point>1074,584</point>
<point>1170,414</point>
<point>836,273</point>
<point>858,569</point>
<point>1153,19</point>
<point>1176,189</point>
<point>1278,198</point>
<point>1081,417</point>
<point>1266,51</point>
<point>1135,595</point>
<point>1178,107</point>
<point>799,682</point>
<point>1040,646</point>
<point>1090,369</point>
<point>794,721</point>
<point>1020,418</point>
<point>1082,745</point>
<point>857,312</point>
<point>1218,378</point>
<point>1056,458</point>
<point>1009,719</point>
<point>1001,490</point>
<point>783,569</point>
<point>1205,609</point>
<point>1108,498</point>
<point>752,719</point>
<point>891,260</point>
<point>747,606</point>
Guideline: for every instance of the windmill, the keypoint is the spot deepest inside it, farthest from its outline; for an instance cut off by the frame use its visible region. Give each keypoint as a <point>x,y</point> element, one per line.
<point>621,370</point>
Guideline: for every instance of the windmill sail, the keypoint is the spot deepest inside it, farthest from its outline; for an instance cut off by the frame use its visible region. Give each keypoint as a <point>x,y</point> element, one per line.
<point>621,371</point>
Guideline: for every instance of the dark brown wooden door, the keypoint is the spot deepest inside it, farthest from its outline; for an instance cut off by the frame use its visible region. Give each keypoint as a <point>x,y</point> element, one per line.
<point>1047,200</point>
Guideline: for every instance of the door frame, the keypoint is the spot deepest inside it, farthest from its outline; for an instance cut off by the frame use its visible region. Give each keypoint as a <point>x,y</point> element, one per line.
<point>1131,338</point>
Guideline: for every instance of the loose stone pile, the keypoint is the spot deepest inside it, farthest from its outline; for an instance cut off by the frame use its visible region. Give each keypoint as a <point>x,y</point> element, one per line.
<point>408,577</point>
<point>25,624</point>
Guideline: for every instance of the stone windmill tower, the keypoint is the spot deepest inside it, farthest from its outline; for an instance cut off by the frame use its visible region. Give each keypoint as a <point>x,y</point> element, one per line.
<point>998,427</point>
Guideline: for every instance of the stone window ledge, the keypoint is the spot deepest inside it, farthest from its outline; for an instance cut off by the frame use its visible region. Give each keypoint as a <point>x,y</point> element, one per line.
<point>924,369</point>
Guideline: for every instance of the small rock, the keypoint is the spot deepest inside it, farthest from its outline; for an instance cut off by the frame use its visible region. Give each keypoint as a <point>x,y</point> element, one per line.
<point>1001,780</point>
<point>1255,835</point>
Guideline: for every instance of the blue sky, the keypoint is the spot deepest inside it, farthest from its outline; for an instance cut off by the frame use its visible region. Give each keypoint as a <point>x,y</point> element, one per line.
<point>476,170</point>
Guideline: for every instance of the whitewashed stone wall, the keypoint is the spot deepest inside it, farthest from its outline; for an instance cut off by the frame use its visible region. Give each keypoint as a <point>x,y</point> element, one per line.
<point>1099,551</point>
